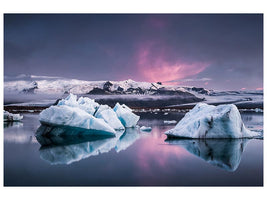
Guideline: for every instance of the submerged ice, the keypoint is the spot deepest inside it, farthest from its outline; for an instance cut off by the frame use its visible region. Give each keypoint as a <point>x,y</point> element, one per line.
<point>88,114</point>
<point>208,121</point>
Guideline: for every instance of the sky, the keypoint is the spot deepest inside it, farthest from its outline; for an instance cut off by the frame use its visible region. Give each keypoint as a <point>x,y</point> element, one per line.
<point>215,51</point>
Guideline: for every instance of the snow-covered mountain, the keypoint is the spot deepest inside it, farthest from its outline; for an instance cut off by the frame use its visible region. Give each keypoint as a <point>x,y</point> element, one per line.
<point>45,90</point>
<point>56,85</point>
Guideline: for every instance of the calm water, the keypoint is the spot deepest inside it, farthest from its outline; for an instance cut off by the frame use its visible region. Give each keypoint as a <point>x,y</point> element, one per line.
<point>132,159</point>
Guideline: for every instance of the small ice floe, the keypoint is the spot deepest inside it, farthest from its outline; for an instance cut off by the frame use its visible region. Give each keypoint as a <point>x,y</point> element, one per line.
<point>146,128</point>
<point>86,113</point>
<point>170,121</point>
<point>258,110</point>
<point>208,121</point>
<point>10,117</point>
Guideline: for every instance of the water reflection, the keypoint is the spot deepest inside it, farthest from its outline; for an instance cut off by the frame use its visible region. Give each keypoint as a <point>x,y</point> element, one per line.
<point>223,153</point>
<point>65,145</point>
<point>13,124</point>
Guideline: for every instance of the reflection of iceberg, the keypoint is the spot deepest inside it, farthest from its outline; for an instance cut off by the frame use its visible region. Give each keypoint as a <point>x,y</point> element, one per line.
<point>127,139</point>
<point>223,153</point>
<point>66,145</point>
<point>13,124</point>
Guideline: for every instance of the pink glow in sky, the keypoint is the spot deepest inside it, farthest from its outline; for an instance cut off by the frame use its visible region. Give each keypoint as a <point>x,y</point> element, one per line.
<point>154,66</point>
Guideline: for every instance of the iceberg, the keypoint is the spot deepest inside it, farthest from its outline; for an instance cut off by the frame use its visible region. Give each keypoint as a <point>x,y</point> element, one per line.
<point>74,117</point>
<point>87,114</point>
<point>208,121</point>
<point>10,117</point>
<point>223,153</point>
<point>145,128</point>
<point>126,116</point>
<point>109,116</point>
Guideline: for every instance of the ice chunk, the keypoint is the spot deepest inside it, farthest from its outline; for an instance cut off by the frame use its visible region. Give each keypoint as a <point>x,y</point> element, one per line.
<point>88,105</point>
<point>70,100</point>
<point>75,117</point>
<point>208,121</point>
<point>10,117</point>
<point>223,153</point>
<point>84,103</point>
<point>109,116</point>
<point>127,139</point>
<point>169,121</point>
<point>126,116</point>
<point>145,128</point>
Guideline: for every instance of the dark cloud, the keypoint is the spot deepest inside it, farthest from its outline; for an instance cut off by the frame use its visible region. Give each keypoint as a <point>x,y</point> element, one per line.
<point>228,48</point>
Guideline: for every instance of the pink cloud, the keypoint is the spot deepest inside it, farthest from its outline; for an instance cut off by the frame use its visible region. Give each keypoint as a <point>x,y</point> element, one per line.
<point>154,65</point>
<point>260,88</point>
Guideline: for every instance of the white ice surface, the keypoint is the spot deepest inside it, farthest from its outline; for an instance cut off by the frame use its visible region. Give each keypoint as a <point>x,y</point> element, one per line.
<point>169,121</point>
<point>10,117</point>
<point>126,116</point>
<point>75,117</point>
<point>84,103</point>
<point>146,128</point>
<point>208,121</point>
<point>109,116</point>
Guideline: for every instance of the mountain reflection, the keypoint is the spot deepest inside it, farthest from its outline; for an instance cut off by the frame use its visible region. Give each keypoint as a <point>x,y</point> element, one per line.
<point>223,153</point>
<point>65,145</point>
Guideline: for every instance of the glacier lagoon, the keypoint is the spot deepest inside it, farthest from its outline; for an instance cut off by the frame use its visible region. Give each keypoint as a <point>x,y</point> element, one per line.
<point>132,158</point>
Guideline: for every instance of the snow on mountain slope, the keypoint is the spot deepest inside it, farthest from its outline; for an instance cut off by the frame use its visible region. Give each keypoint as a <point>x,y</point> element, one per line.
<point>57,85</point>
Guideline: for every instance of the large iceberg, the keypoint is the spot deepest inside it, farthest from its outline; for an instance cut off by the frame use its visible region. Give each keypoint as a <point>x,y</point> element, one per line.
<point>87,114</point>
<point>208,121</point>
<point>126,116</point>
<point>74,117</point>
<point>10,117</point>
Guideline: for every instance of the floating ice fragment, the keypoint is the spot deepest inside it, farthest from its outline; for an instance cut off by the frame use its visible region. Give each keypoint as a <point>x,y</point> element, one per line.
<point>146,128</point>
<point>10,117</point>
<point>170,121</point>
